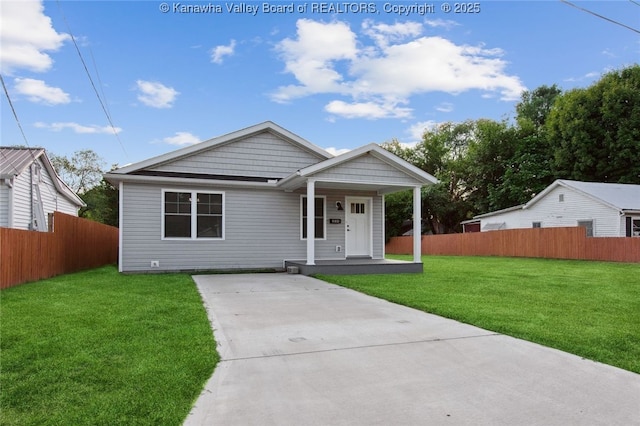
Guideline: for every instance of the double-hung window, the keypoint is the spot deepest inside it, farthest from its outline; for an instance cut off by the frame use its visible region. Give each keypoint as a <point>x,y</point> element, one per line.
<point>192,214</point>
<point>588,226</point>
<point>318,215</point>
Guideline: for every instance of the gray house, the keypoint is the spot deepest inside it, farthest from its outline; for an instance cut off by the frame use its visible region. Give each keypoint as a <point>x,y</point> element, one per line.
<point>603,209</point>
<point>30,189</point>
<point>251,198</point>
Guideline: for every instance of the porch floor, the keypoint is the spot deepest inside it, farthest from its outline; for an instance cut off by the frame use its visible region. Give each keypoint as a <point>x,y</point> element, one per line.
<point>355,266</point>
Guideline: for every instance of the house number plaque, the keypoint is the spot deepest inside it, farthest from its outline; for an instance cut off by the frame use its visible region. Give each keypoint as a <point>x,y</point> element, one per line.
<point>335,221</point>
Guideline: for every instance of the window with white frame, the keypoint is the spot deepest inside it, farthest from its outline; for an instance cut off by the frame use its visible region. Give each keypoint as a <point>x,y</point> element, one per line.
<point>536,225</point>
<point>635,227</point>
<point>193,214</point>
<point>318,217</point>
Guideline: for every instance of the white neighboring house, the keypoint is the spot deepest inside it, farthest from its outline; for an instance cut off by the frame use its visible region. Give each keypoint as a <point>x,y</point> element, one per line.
<point>604,209</point>
<point>30,189</point>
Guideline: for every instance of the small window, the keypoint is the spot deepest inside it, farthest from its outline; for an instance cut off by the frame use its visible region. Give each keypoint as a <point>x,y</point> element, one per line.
<point>588,225</point>
<point>190,214</point>
<point>319,215</point>
<point>635,228</point>
<point>561,198</point>
<point>357,208</point>
<point>537,224</point>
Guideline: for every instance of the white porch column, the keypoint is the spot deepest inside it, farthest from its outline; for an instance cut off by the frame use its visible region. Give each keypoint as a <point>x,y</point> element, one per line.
<point>417,225</point>
<point>311,222</point>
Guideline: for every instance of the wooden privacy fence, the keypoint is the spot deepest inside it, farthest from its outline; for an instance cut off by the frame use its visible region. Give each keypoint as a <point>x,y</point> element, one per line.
<point>74,244</point>
<point>555,243</point>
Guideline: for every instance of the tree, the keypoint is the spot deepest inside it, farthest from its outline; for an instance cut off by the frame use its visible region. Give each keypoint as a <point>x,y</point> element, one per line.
<point>81,172</point>
<point>101,204</point>
<point>596,131</point>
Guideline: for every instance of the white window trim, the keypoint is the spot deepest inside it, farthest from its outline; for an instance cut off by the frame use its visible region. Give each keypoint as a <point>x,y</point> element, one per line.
<point>324,214</point>
<point>194,215</point>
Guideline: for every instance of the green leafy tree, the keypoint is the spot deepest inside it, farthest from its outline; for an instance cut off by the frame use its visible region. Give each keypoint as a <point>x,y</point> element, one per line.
<point>596,130</point>
<point>102,204</point>
<point>82,171</point>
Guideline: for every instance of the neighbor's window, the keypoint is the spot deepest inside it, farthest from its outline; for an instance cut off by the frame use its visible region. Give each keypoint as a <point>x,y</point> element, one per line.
<point>588,225</point>
<point>561,198</point>
<point>635,228</point>
<point>318,217</point>
<point>537,224</point>
<point>191,214</point>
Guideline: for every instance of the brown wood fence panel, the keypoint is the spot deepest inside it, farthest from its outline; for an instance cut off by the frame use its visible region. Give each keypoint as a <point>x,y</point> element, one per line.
<point>555,243</point>
<point>74,244</point>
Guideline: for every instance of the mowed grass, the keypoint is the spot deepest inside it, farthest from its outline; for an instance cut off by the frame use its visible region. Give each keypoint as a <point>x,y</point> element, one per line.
<point>101,348</point>
<point>591,309</point>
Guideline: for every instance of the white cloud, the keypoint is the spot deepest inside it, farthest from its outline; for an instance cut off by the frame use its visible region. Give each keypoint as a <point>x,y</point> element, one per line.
<point>311,58</point>
<point>416,130</point>
<point>26,34</point>
<point>329,58</point>
<point>445,107</point>
<point>219,52</point>
<point>369,110</point>
<point>182,138</point>
<point>447,24</point>
<point>37,91</point>
<point>78,128</point>
<point>155,94</point>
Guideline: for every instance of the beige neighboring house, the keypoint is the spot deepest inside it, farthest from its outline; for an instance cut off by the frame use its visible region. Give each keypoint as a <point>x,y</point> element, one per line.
<point>603,209</point>
<point>30,189</point>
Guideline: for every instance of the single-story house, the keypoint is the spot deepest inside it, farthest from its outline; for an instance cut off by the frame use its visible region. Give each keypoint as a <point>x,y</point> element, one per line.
<point>604,209</point>
<point>250,199</point>
<point>30,189</point>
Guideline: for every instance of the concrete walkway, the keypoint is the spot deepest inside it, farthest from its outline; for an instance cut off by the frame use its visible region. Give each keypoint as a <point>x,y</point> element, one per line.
<point>298,351</point>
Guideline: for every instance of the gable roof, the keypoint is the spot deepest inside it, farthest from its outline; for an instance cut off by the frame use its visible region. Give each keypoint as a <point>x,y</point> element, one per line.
<point>299,177</point>
<point>619,196</point>
<point>17,160</point>
<point>268,126</point>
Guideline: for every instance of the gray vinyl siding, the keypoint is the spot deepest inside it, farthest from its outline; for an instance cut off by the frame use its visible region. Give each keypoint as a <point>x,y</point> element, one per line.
<point>262,155</point>
<point>262,229</point>
<point>4,204</point>
<point>367,168</point>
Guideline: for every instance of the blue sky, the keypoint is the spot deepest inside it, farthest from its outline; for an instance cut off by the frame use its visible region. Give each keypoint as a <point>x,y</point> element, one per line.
<point>337,74</point>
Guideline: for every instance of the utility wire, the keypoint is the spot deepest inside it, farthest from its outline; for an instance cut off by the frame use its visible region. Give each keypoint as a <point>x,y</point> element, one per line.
<point>635,2</point>
<point>602,17</point>
<point>24,136</point>
<point>15,115</point>
<point>84,64</point>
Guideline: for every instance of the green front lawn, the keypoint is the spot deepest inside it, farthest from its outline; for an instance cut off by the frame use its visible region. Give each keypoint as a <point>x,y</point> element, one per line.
<point>591,309</point>
<point>101,348</point>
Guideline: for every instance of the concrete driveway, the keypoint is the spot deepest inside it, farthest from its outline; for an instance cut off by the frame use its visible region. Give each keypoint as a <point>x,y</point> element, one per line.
<point>299,351</point>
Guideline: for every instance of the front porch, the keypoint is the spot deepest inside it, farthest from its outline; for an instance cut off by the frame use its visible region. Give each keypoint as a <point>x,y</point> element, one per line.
<point>355,266</point>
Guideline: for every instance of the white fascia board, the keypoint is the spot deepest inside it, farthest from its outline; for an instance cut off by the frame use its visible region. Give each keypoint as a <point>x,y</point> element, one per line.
<point>116,179</point>
<point>59,184</point>
<point>221,140</point>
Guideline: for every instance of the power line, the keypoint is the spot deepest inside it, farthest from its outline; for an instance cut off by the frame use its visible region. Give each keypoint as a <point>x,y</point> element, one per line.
<point>15,115</point>
<point>84,64</point>
<point>602,17</point>
<point>635,2</point>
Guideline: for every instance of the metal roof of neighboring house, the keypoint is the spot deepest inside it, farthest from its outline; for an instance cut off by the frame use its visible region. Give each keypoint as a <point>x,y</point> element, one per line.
<point>14,160</point>
<point>617,195</point>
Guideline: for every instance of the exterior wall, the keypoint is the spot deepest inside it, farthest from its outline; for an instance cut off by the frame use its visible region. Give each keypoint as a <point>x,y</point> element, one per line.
<point>553,213</point>
<point>262,229</point>
<point>52,200</point>
<point>4,204</point>
<point>22,200</point>
<point>366,168</point>
<point>263,155</point>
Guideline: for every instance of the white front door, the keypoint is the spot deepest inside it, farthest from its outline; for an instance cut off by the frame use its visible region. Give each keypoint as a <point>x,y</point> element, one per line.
<point>358,226</point>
